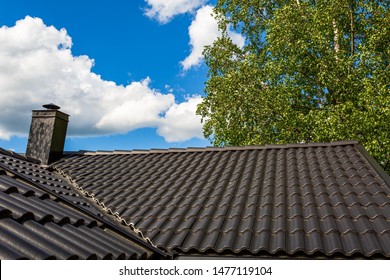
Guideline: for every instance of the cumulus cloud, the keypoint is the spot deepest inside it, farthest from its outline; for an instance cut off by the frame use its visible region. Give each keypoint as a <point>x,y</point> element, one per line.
<point>38,67</point>
<point>164,10</point>
<point>204,31</point>
<point>181,122</point>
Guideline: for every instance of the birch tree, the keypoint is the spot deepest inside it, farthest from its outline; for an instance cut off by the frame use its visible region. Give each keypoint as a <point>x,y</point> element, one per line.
<point>310,71</point>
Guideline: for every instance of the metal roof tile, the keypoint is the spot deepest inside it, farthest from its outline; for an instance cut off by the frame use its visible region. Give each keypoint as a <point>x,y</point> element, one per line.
<point>7,253</point>
<point>295,242</point>
<point>294,211</point>
<point>263,223</point>
<point>12,236</point>
<point>260,241</point>
<point>349,241</point>
<point>230,224</point>
<point>370,243</point>
<point>208,242</point>
<point>242,240</point>
<point>318,192</point>
<point>363,225</point>
<point>277,242</point>
<point>192,241</point>
<point>224,241</point>
<point>381,225</point>
<point>311,224</point>
<point>313,242</point>
<point>265,211</point>
<point>328,225</point>
<point>163,238</point>
<point>247,224</point>
<point>295,224</point>
<point>43,217</point>
<point>250,210</point>
<point>384,242</point>
<point>332,244</point>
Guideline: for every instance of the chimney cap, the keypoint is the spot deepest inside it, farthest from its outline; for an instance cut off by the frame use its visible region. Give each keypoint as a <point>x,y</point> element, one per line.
<point>51,106</point>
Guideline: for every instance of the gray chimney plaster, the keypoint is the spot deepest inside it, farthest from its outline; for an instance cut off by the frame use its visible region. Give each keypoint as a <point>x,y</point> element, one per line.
<point>47,135</point>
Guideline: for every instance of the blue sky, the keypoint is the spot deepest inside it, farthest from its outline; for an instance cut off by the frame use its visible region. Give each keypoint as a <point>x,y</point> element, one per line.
<point>129,73</point>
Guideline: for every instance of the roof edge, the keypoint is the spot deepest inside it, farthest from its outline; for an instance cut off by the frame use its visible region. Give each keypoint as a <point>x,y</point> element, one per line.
<point>214,149</point>
<point>375,165</point>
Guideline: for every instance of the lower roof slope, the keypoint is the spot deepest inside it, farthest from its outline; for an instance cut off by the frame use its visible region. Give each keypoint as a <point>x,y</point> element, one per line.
<point>43,217</point>
<point>312,199</point>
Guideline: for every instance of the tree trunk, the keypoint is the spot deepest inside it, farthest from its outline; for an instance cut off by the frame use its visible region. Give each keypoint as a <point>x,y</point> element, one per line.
<point>336,38</point>
<point>352,32</point>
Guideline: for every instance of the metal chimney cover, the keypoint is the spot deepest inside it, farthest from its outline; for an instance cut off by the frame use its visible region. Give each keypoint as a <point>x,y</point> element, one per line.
<point>51,106</point>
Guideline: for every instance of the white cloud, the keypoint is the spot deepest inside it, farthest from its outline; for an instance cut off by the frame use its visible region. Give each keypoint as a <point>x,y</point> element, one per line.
<point>204,31</point>
<point>37,67</point>
<point>165,10</point>
<point>181,122</point>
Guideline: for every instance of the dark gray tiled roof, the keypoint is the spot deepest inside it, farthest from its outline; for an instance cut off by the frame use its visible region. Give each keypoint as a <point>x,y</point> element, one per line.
<point>321,199</point>
<point>43,217</point>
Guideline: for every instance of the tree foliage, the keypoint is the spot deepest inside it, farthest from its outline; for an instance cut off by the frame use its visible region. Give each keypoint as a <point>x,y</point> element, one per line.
<point>310,71</point>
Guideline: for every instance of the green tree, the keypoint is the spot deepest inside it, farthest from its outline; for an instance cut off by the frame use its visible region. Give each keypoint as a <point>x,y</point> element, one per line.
<point>310,71</point>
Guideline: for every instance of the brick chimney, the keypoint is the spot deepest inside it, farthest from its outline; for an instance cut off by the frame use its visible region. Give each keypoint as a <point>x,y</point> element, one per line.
<point>47,134</point>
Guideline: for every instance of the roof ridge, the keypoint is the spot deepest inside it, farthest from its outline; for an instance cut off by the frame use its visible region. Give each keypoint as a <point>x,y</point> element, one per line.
<point>212,149</point>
